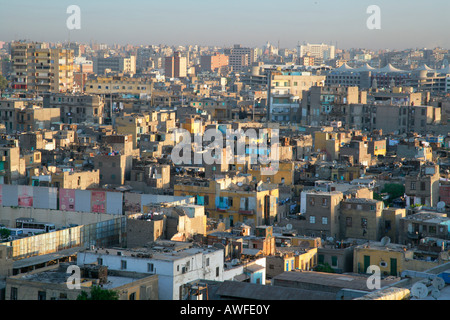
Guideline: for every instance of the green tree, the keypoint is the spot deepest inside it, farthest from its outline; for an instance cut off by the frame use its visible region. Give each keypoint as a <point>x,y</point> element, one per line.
<point>324,268</point>
<point>98,293</point>
<point>3,83</point>
<point>394,190</point>
<point>4,233</point>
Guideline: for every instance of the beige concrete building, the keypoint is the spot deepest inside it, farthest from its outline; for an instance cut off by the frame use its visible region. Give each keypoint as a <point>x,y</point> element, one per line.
<point>322,213</point>
<point>37,68</point>
<point>12,165</point>
<point>102,65</point>
<point>294,83</point>
<point>423,187</point>
<point>176,66</point>
<point>51,284</point>
<point>361,219</point>
<point>119,85</point>
<point>34,118</point>
<point>76,180</point>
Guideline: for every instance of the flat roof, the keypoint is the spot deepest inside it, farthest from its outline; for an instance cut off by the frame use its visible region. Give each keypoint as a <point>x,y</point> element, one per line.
<point>155,253</point>
<point>32,261</point>
<point>244,290</point>
<point>348,281</point>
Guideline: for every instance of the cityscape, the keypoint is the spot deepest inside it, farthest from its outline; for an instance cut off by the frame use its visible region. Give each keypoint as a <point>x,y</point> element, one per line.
<point>197,156</point>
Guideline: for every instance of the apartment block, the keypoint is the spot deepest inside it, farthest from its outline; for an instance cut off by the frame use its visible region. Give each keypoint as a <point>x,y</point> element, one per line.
<point>322,213</point>
<point>78,108</point>
<point>124,65</point>
<point>38,68</point>
<point>176,66</point>
<point>361,219</point>
<point>422,187</point>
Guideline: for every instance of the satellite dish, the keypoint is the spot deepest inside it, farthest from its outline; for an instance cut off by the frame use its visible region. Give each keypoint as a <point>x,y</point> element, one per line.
<point>304,244</point>
<point>385,241</point>
<point>331,239</point>
<point>435,293</point>
<point>438,283</point>
<point>52,128</point>
<point>419,290</point>
<point>440,206</point>
<point>289,226</point>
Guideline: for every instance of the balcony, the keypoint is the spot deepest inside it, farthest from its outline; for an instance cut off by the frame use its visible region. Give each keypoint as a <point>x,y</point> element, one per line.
<point>413,235</point>
<point>247,212</point>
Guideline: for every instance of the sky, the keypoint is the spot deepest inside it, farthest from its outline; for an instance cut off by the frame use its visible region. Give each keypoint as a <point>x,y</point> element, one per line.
<point>404,23</point>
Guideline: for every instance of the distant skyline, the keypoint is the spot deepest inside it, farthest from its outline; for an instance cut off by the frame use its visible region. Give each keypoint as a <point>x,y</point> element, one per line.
<point>404,24</point>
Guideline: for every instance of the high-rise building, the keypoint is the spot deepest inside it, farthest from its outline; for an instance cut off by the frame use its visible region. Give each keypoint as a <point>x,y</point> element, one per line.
<point>240,57</point>
<point>176,66</point>
<point>320,52</point>
<point>115,64</point>
<point>215,63</point>
<point>37,68</point>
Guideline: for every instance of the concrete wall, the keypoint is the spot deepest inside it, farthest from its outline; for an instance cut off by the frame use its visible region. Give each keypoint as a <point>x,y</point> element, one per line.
<point>8,216</point>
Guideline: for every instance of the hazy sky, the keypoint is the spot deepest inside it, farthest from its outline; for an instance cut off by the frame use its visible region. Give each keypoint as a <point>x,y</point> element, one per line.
<point>404,23</point>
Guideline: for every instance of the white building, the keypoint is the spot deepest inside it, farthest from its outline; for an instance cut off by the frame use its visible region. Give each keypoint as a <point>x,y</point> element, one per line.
<point>174,268</point>
<point>321,52</point>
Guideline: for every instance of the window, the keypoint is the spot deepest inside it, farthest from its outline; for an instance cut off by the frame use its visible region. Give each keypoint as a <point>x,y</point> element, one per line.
<point>321,259</point>
<point>42,295</point>
<point>324,202</point>
<point>413,186</point>
<point>324,220</point>
<point>311,201</point>
<point>217,271</point>
<point>422,186</point>
<point>13,293</point>
<point>123,264</point>
<point>150,267</point>
<point>387,225</point>
<point>312,219</point>
<point>207,262</point>
<point>133,296</point>
<point>348,221</point>
<point>334,261</point>
<point>364,222</point>
<point>432,229</point>
<point>99,261</point>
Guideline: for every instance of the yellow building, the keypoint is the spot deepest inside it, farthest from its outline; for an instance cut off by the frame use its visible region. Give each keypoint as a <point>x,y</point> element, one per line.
<point>233,200</point>
<point>392,259</point>
<point>284,175</point>
<point>134,125</point>
<point>36,67</point>
<point>193,125</point>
